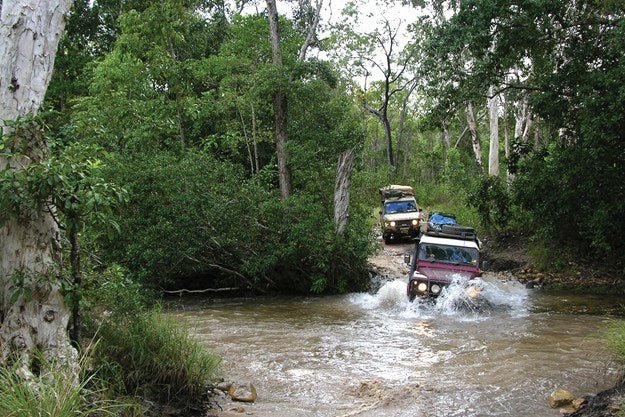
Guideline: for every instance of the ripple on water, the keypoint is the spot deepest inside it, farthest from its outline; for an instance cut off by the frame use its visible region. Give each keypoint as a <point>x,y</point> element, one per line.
<point>380,355</point>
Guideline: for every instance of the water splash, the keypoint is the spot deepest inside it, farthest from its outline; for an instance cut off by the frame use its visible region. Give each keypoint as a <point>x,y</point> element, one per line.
<point>390,296</point>
<point>462,298</point>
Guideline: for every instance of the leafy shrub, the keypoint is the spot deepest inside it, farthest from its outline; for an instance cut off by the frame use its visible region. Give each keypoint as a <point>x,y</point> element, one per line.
<point>547,256</point>
<point>575,195</point>
<point>192,218</point>
<point>491,199</point>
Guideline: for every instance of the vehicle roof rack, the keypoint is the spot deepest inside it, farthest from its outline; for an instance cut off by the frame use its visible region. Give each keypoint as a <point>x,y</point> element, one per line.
<point>453,231</point>
<point>396,191</point>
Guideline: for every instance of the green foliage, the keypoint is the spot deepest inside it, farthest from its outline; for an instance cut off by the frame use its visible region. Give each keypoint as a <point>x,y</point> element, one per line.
<point>547,256</point>
<point>54,393</point>
<point>67,177</point>
<point>571,68</point>
<point>141,350</point>
<point>191,216</point>
<point>575,196</point>
<point>153,355</point>
<point>616,340</point>
<point>301,252</point>
<point>491,199</point>
<point>111,294</point>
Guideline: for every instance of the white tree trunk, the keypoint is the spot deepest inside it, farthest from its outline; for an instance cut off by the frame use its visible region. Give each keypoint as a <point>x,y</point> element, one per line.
<point>29,244</point>
<point>506,134</point>
<point>341,190</point>
<point>493,151</point>
<point>475,140</point>
<point>523,119</point>
<point>506,137</point>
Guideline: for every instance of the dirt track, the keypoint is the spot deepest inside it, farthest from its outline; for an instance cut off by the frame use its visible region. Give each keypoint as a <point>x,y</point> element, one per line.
<point>388,261</point>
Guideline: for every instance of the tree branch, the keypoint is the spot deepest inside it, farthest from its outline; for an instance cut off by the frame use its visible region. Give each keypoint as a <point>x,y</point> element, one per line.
<point>312,31</point>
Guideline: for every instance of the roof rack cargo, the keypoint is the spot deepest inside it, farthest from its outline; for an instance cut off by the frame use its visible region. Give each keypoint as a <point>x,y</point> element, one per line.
<point>453,231</point>
<point>396,191</point>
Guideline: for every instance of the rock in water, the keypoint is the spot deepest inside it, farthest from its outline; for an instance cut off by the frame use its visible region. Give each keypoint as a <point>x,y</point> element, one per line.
<point>224,386</point>
<point>243,393</point>
<point>561,398</point>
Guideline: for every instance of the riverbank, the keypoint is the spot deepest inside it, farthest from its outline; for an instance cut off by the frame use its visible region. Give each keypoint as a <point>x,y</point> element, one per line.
<point>608,403</point>
<point>512,253</point>
<point>552,270</point>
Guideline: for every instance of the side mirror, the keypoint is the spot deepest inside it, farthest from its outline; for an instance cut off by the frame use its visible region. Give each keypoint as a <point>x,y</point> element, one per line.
<point>407,259</point>
<point>484,266</point>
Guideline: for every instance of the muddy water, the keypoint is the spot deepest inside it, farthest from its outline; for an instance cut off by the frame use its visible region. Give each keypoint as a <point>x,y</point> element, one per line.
<point>378,355</point>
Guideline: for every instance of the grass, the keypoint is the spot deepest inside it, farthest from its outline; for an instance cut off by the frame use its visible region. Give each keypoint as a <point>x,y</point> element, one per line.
<point>141,352</point>
<point>154,356</point>
<point>616,340</point>
<point>54,393</point>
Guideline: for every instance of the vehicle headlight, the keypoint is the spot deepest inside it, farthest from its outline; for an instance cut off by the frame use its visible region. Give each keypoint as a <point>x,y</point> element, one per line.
<point>473,292</point>
<point>422,287</point>
<point>392,224</point>
<point>435,288</point>
<point>415,222</point>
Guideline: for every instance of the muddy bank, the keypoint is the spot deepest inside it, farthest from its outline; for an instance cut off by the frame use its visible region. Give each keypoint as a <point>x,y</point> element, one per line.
<point>512,253</point>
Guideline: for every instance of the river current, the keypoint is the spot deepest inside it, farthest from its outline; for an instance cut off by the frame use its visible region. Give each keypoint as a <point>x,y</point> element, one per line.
<point>379,355</point>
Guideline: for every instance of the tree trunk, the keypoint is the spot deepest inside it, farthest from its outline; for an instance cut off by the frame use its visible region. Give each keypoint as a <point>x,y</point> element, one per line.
<point>506,133</point>
<point>477,149</point>
<point>402,121</point>
<point>33,314</point>
<point>341,190</point>
<point>256,163</point>
<point>76,332</point>
<point>506,138</point>
<point>382,116</point>
<point>405,163</point>
<point>279,105</point>
<point>389,141</point>
<point>493,150</point>
<point>523,119</point>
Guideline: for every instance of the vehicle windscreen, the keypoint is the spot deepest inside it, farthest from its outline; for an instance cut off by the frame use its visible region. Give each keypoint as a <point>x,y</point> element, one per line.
<point>449,254</point>
<point>400,207</point>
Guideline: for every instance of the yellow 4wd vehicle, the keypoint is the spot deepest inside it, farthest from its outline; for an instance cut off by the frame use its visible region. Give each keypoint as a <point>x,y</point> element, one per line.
<point>400,217</point>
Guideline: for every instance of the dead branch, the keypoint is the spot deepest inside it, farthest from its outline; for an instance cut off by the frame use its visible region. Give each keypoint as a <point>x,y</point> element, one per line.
<point>184,290</point>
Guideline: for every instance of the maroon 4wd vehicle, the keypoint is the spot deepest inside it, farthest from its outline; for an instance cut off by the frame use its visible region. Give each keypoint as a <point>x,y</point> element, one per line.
<point>452,252</point>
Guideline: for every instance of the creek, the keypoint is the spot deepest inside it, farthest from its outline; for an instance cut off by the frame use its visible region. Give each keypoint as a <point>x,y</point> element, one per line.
<point>379,355</point>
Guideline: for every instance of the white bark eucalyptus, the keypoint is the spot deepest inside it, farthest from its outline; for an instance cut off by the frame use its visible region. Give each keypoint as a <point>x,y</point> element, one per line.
<point>341,190</point>
<point>475,140</point>
<point>33,314</point>
<point>493,151</point>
